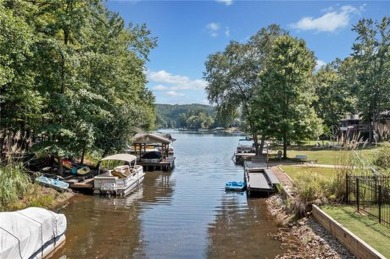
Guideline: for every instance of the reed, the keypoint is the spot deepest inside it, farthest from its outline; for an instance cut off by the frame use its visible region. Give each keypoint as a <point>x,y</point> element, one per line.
<point>14,184</point>
<point>382,157</point>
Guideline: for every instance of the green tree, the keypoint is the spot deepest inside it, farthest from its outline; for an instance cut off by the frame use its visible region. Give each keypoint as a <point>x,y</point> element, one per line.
<point>233,74</point>
<point>371,54</point>
<point>333,99</point>
<point>73,74</point>
<point>20,103</point>
<point>285,94</point>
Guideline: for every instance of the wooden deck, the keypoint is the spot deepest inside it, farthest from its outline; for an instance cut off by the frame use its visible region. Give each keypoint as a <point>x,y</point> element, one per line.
<point>259,179</point>
<point>240,158</point>
<point>164,165</point>
<point>82,186</point>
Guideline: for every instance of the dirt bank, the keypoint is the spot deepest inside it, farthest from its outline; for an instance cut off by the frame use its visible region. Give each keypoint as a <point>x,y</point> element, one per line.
<point>304,238</point>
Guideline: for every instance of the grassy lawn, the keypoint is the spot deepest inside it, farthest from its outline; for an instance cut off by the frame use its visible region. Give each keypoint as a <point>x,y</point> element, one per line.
<point>366,228</point>
<point>325,156</point>
<point>294,171</point>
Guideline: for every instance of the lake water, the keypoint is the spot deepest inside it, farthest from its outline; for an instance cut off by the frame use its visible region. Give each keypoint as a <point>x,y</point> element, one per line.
<point>185,213</point>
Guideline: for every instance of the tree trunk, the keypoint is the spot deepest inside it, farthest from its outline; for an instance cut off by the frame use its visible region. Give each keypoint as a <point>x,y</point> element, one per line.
<point>83,153</point>
<point>370,129</point>
<point>256,142</point>
<point>60,166</point>
<point>262,141</point>
<point>285,146</point>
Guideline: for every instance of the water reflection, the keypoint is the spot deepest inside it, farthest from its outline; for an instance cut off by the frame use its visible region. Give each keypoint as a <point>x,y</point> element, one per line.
<point>182,214</point>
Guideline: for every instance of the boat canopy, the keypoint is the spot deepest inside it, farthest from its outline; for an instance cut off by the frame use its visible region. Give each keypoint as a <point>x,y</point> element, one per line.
<point>121,157</point>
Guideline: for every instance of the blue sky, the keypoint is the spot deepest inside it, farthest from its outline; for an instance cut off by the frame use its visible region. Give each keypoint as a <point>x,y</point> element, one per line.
<point>189,31</point>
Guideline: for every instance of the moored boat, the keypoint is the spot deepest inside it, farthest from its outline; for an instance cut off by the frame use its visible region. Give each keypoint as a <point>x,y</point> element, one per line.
<point>31,233</point>
<point>235,186</point>
<point>153,151</point>
<point>121,179</point>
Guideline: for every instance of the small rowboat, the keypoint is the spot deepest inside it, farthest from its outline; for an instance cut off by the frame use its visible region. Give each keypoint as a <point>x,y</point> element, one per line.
<point>53,183</point>
<point>235,186</point>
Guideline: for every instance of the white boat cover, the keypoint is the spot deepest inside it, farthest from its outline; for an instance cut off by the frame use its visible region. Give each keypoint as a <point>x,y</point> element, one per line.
<point>26,233</point>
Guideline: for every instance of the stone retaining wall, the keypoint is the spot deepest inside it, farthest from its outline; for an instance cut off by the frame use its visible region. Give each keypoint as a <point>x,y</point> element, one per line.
<point>354,244</point>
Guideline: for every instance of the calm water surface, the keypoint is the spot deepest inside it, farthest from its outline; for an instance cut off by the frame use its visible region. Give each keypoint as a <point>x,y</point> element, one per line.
<point>185,213</point>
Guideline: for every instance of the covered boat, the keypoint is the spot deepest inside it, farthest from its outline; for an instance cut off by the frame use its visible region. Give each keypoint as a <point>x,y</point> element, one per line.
<point>121,179</point>
<point>151,157</point>
<point>31,233</point>
<point>235,186</point>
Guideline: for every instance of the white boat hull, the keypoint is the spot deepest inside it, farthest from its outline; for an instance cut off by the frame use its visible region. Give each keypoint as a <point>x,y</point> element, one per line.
<point>109,184</point>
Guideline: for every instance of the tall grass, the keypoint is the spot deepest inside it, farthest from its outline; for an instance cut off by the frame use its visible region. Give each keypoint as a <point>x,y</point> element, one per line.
<point>14,183</point>
<point>315,188</point>
<point>382,157</point>
<point>322,188</point>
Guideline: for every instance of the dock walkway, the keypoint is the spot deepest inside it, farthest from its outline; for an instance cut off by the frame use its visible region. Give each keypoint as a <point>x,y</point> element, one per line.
<point>259,178</point>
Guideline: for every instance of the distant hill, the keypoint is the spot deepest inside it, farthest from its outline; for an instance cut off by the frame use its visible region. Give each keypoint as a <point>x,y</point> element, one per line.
<point>168,115</point>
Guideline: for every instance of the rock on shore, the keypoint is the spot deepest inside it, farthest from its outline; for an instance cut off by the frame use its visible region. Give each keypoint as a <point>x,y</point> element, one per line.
<point>304,238</point>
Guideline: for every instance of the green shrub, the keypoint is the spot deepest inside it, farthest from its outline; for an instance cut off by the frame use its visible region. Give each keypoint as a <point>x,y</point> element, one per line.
<point>382,156</point>
<point>14,183</point>
<point>310,187</point>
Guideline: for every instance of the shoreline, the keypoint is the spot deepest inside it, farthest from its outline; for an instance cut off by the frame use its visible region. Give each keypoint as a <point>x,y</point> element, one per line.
<point>304,238</point>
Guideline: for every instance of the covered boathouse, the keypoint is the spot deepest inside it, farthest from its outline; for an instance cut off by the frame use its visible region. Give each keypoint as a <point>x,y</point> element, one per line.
<point>154,151</point>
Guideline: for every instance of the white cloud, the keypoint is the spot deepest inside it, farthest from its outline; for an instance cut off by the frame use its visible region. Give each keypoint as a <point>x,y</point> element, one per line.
<point>176,82</point>
<point>174,85</point>
<point>226,2</point>
<point>213,29</point>
<point>160,88</point>
<point>330,21</point>
<point>319,64</point>
<point>227,31</point>
<point>174,94</point>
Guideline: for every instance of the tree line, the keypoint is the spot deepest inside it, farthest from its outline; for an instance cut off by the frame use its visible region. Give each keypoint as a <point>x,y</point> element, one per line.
<point>192,116</point>
<point>171,115</point>
<point>271,80</point>
<point>71,78</point>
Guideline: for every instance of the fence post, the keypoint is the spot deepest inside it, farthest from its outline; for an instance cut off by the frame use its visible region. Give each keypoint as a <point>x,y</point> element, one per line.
<point>347,188</point>
<point>380,203</point>
<point>357,194</point>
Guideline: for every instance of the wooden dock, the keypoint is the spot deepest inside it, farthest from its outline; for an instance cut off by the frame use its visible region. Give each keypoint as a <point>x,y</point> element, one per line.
<point>164,165</point>
<point>240,157</point>
<point>259,179</point>
<point>81,186</point>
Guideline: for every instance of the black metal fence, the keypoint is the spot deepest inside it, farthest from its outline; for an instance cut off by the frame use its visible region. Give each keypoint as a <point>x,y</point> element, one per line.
<point>370,194</point>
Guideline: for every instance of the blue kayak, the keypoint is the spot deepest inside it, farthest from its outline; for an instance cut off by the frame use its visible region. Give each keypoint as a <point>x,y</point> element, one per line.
<point>235,186</point>
<point>53,183</point>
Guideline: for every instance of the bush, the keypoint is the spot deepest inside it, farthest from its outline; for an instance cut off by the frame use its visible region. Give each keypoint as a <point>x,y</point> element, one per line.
<point>311,187</point>
<point>382,157</point>
<point>14,184</point>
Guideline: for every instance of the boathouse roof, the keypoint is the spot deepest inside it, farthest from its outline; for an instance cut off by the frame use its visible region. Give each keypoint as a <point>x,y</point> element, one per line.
<point>150,139</point>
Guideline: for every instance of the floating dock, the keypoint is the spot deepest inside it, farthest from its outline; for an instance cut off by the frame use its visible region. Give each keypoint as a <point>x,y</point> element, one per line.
<point>259,179</point>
